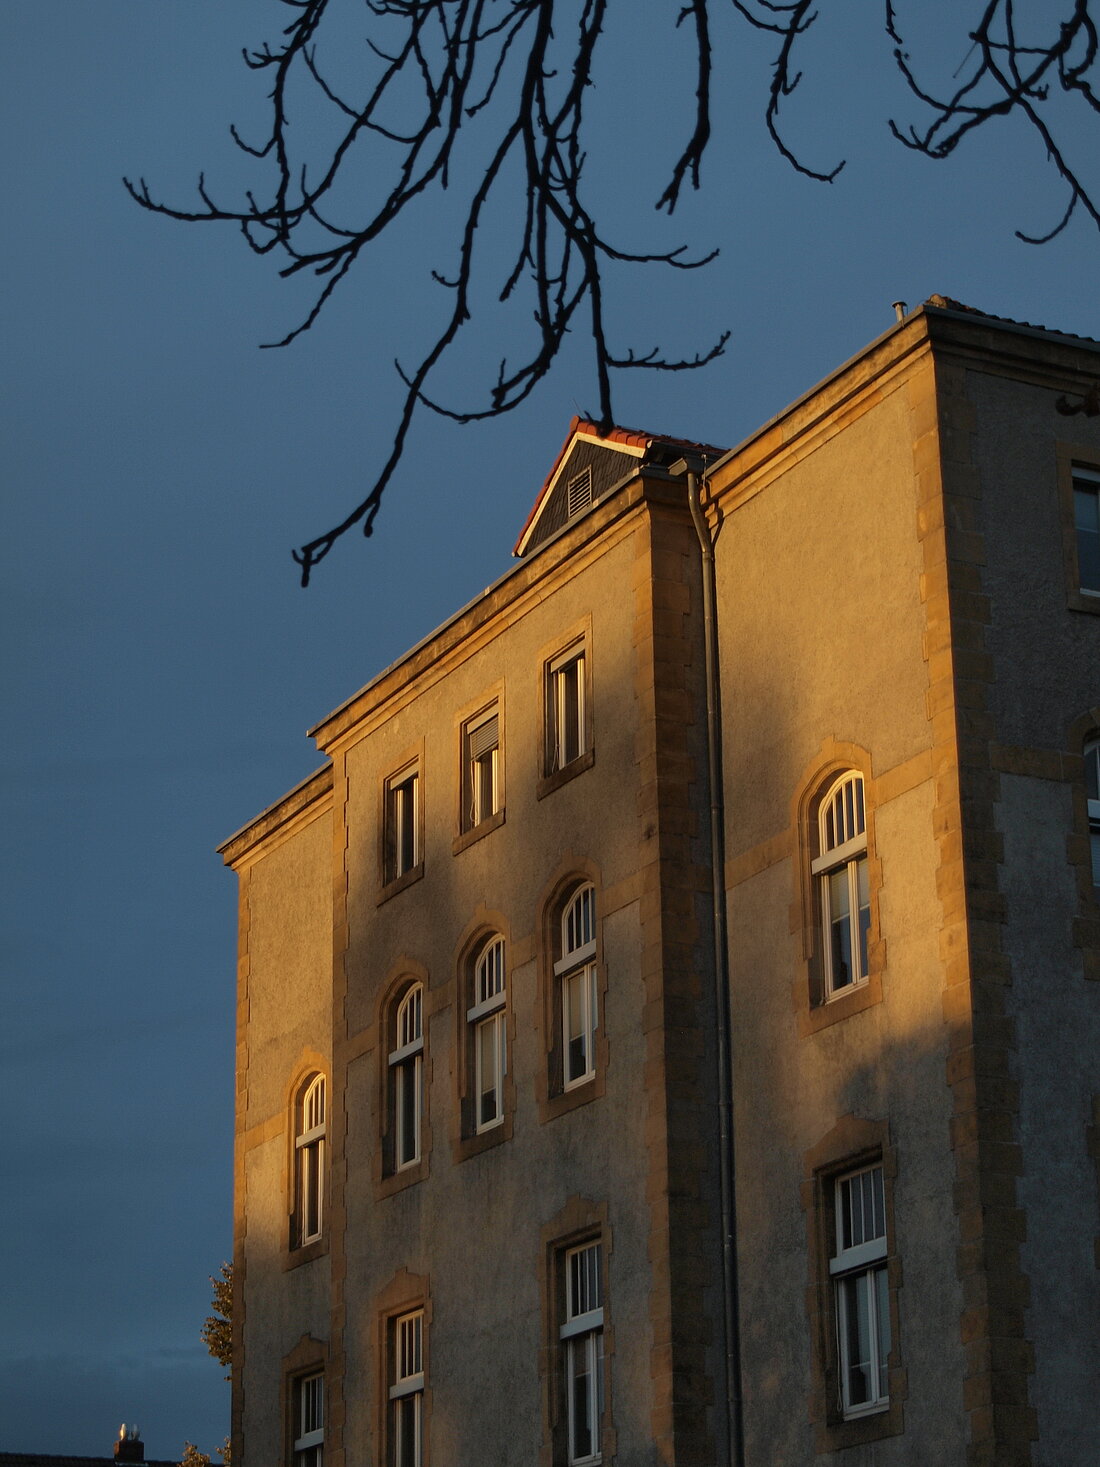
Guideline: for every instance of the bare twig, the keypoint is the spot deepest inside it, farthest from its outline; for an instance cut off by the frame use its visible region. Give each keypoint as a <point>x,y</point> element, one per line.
<point>437,71</point>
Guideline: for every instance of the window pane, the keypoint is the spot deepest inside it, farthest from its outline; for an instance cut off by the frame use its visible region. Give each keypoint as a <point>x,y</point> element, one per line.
<point>576,1061</point>
<point>485,786</point>
<point>407,1426</point>
<point>861,1213</point>
<point>882,1320</point>
<point>1086,508</point>
<point>410,1335</point>
<point>313,1405</point>
<point>490,972</point>
<point>409,1017</point>
<point>311,1159</point>
<point>580,1398</point>
<point>585,1285</point>
<point>841,928</point>
<point>488,1076</point>
<point>570,728</point>
<point>1092,771</point>
<point>856,1339</point>
<point>402,816</point>
<point>579,921</point>
<point>408,1109</point>
<point>1086,504</point>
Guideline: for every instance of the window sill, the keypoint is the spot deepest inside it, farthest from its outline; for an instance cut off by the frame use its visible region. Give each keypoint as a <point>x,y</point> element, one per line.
<point>399,883</point>
<point>477,832</point>
<point>872,1426</point>
<point>1082,601</point>
<point>843,1006</point>
<point>551,782</point>
<point>408,1176</point>
<point>565,1101</point>
<point>305,1254</point>
<point>467,1146</point>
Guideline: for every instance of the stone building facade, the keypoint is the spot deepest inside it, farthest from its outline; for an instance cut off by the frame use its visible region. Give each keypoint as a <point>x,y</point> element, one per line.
<point>668,1024</point>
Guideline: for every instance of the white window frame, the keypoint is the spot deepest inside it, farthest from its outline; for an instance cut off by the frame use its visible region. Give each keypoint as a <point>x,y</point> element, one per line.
<point>858,1268</point>
<point>575,974</point>
<point>1092,796</point>
<point>487,1020</point>
<point>309,1420</point>
<point>402,821</point>
<point>581,1336</point>
<point>1086,489</point>
<point>309,1161</point>
<point>406,1063</point>
<point>566,707</point>
<point>407,1389</point>
<point>481,763</point>
<point>842,858</point>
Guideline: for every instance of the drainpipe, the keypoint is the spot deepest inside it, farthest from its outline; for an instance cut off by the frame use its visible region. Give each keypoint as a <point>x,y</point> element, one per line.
<point>693,468</point>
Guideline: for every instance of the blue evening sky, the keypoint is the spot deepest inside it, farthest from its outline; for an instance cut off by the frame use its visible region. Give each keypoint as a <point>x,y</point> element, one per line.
<point>162,662</point>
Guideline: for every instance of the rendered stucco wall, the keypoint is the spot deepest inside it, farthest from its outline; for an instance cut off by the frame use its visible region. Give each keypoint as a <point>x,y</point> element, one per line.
<point>822,629</point>
<point>288,1005</point>
<point>1045,680</point>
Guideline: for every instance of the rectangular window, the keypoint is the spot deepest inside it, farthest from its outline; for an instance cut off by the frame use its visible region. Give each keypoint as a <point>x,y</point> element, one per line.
<point>407,1390</point>
<point>402,822</point>
<point>860,1284</point>
<point>1086,521</point>
<point>582,1352</point>
<point>481,768</point>
<point>566,717</point>
<point>309,1421</point>
<point>1092,792</point>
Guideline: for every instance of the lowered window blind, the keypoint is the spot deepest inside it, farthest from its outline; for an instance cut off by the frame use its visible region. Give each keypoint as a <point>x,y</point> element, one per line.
<point>483,737</point>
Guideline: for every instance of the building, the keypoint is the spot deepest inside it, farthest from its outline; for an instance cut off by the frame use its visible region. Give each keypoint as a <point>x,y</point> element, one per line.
<point>596,1107</point>
<point>129,1448</point>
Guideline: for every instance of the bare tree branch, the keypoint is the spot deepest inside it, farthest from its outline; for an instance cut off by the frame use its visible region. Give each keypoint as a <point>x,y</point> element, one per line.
<point>439,77</point>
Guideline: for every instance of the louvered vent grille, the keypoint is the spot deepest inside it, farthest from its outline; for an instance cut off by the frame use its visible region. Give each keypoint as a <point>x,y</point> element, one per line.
<point>579,493</point>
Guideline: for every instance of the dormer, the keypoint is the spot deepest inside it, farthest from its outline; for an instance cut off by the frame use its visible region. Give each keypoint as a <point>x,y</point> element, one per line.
<point>588,467</point>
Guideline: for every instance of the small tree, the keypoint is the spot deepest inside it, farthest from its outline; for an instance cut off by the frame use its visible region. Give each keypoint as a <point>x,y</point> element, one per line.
<point>217,1332</point>
<point>192,1457</point>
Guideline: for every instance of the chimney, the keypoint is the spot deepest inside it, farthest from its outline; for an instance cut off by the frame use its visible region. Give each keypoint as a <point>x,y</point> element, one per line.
<point>129,1447</point>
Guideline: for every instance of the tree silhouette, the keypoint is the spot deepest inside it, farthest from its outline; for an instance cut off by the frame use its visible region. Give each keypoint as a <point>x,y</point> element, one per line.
<point>512,76</point>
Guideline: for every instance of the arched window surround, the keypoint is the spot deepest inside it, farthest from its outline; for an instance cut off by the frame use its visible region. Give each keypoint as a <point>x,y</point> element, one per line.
<point>820,999</point>
<point>404,1075</point>
<point>841,886</point>
<point>572,1004</point>
<point>484,1085</point>
<point>308,1129</point>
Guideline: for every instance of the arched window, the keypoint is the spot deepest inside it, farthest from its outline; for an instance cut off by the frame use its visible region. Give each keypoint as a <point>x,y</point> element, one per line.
<point>309,1161</point>
<point>486,1020</point>
<point>575,973</point>
<point>1092,793</point>
<point>406,1063</point>
<point>840,877</point>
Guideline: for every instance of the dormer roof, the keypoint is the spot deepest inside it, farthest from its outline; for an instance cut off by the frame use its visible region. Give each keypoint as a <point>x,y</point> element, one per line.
<point>589,464</point>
